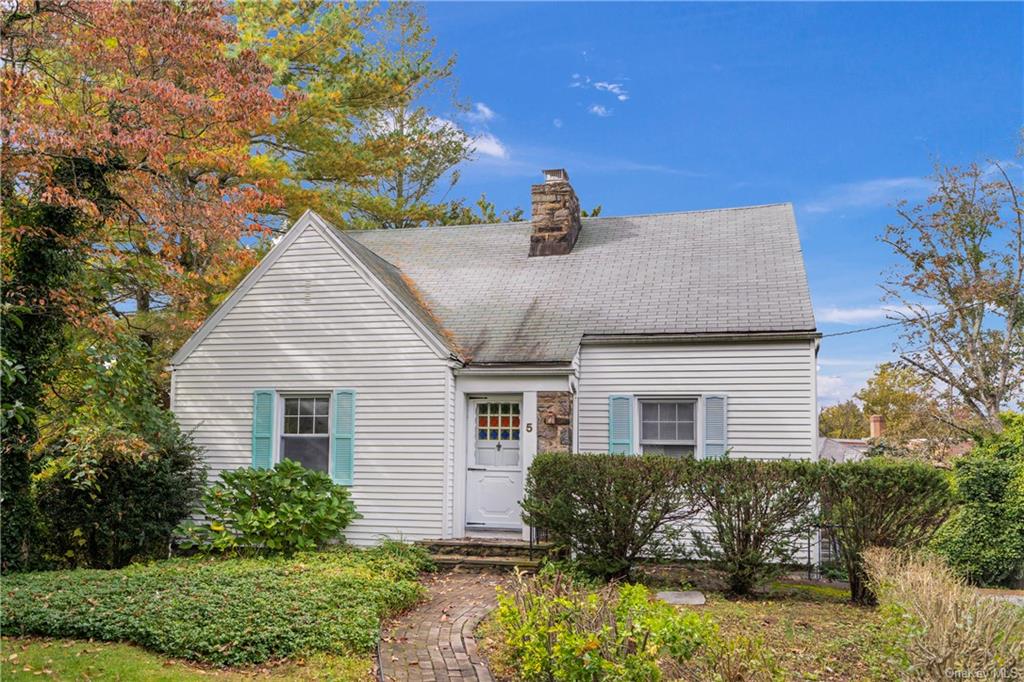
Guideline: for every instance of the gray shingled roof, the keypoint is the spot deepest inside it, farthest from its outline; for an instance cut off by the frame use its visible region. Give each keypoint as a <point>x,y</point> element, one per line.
<point>737,270</point>
<point>401,287</point>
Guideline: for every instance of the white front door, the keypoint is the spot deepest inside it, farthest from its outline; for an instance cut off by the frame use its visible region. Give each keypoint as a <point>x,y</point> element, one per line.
<point>494,476</point>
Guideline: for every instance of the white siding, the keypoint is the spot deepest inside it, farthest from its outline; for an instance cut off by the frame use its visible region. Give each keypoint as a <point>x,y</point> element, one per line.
<point>770,389</point>
<point>312,322</point>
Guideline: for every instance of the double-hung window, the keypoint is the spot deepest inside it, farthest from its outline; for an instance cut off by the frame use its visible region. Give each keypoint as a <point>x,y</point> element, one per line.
<point>305,437</point>
<point>668,426</point>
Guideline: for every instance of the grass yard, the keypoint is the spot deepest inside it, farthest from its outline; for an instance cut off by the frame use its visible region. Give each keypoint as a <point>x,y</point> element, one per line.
<point>32,658</point>
<point>812,632</point>
<point>317,607</point>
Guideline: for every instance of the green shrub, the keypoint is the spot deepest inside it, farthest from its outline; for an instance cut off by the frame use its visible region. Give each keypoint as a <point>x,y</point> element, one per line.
<point>881,502</point>
<point>984,539</point>
<point>223,611</point>
<point>272,511</point>
<point>758,512</point>
<point>111,498</point>
<point>739,659</point>
<point>550,629</point>
<point>609,510</point>
<point>939,628</point>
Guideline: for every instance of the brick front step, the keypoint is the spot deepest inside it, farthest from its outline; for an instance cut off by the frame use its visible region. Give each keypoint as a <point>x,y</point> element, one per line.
<point>479,547</point>
<point>481,563</point>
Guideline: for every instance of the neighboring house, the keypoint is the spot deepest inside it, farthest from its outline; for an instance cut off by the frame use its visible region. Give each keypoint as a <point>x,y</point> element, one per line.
<point>425,368</point>
<point>839,450</point>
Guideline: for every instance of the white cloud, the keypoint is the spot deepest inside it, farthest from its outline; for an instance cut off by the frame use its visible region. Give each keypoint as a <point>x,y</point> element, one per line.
<point>599,110</point>
<point>557,123</point>
<point>579,81</point>
<point>875,193</point>
<point>481,113</point>
<point>488,145</point>
<point>860,315</point>
<point>614,88</point>
<point>832,388</point>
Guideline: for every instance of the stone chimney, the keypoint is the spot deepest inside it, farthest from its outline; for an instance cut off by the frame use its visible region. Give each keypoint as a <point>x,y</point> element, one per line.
<point>556,215</point>
<point>877,425</point>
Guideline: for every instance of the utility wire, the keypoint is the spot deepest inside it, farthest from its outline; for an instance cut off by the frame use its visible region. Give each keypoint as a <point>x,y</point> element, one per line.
<point>902,322</point>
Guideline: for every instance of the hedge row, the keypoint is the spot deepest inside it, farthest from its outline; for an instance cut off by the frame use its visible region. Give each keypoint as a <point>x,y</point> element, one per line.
<point>746,516</point>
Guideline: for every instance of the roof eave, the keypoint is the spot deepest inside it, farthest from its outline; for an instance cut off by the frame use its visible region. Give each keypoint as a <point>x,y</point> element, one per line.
<point>703,337</point>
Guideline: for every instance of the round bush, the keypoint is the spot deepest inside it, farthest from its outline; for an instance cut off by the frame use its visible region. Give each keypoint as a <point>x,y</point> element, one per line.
<point>272,511</point>
<point>109,499</point>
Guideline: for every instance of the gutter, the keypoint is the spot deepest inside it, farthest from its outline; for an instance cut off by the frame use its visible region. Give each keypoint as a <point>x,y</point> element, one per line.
<point>702,337</point>
<point>519,368</point>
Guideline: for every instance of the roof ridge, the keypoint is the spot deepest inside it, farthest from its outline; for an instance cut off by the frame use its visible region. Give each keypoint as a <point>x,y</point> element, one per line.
<point>597,218</point>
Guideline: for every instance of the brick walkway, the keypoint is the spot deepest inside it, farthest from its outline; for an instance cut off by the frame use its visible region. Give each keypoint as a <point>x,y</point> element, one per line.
<point>435,640</point>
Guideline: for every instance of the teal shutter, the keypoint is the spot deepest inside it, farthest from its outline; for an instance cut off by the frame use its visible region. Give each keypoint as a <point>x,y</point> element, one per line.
<point>263,429</point>
<point>715,426</point>
<point>343,439</point>
<point>620,424</point>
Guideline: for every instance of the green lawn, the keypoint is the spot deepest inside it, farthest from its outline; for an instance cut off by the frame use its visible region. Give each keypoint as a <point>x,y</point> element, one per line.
<point>218,612</point>
<point>30,658</point>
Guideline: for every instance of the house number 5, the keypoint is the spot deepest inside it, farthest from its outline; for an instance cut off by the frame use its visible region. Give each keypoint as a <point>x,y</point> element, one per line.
<point>529,427</point>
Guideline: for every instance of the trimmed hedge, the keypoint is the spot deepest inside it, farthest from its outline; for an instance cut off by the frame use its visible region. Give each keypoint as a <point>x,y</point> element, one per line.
<point>609,510</point>
<point>759,513</point>
<point>882,502</point>
<point>226,612</point>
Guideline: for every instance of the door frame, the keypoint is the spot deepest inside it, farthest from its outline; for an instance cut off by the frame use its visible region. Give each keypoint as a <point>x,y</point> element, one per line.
<point>476,382</point>
<point>470,445</point>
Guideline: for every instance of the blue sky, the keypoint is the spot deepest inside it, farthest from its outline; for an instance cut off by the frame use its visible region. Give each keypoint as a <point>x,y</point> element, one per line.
<point>841,109</point>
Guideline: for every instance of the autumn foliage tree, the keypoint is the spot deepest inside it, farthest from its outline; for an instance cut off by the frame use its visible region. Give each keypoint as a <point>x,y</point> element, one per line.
<point>843,420</point>
<point>125,164</point>
<point>960,286</point>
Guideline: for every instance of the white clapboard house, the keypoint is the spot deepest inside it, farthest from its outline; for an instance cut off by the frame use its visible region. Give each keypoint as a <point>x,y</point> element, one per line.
<point>425,368</point>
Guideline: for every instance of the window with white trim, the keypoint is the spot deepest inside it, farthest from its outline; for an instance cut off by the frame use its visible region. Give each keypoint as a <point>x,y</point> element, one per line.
<point>668,426</point>
<point>305,437</point>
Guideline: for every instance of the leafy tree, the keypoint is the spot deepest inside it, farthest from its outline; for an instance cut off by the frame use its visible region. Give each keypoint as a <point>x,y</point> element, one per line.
<point>908,402</point>
<point>843,420</point>
<point>354,142</point>
<point>37,266</point>
<point>123,162</point>
<point>960,285</point>
<point>142,96</point>
<point>486,213</point>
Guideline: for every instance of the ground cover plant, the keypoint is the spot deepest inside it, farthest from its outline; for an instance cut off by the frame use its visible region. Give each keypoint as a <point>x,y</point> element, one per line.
<point>223,611</point>
<point>791,630</point>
